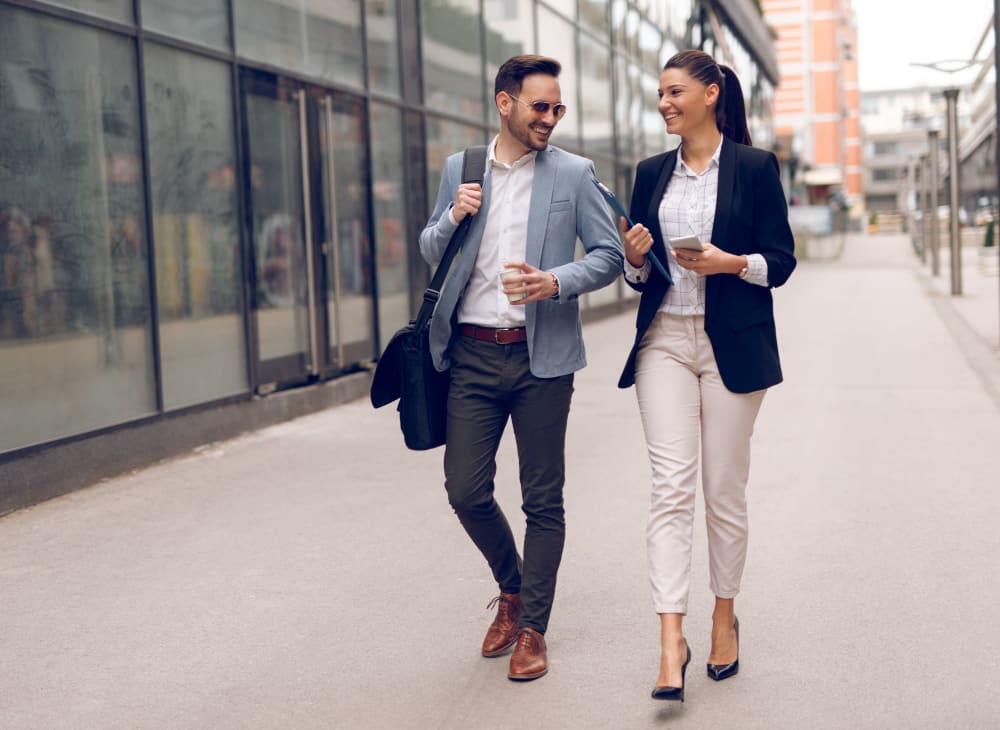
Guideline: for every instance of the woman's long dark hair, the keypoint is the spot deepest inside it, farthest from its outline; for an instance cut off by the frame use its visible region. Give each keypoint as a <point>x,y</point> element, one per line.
<point>730,110</point>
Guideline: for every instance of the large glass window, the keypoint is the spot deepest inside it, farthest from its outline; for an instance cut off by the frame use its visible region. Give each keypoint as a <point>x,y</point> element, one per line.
<point>653,127</point>
<point>381,18</point>
<point>453,65</point>
<point>114,9</point>
<point>650,41</point>
<point>558,42</point>
<point>443,139</point>
<point>595,80</point>
<point>594,15</point>
<point>192,153</point>
<point>510,30</point>
<point>75,345</point>
<point>566,7</point>
<point>619,11</point>
<point>621,108</point>
<point>201,21</point>
<point>390,219</point>
<point>318,37</point>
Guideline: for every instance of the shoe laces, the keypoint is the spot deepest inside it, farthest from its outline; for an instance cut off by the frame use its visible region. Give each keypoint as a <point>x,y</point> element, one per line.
<point>526,640</point>
<point>505,603</point>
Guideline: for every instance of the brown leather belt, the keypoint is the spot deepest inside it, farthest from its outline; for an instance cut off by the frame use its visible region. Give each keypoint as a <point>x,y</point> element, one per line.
<point>502,336</point>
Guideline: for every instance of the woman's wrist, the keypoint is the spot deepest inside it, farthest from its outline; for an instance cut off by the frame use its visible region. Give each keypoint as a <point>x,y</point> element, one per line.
<point>633,263</point>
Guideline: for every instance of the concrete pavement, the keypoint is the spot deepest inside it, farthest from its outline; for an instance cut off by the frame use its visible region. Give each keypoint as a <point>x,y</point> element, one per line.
<point>311,575</point>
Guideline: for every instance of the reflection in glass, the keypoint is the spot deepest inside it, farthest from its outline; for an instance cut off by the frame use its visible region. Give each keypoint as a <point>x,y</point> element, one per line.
<point>349,274</point>
<point>383,45</point>
<point>653,127</point>
<point>453,75</point>
<point>390,219</point>
<point>566,7</point>
<point>650,41</point>
<point>278,214</point>
<point>623,139</point>
<point>201,21</point>
<point>443,139</point>
<point>596,113</point>
<point>594,15</point>
<point>75,345</point>
<point>558,42</point>
<point>114,9</point>
<point>510,30</point>
<point>195,219</point>
<point>318,37</point>
<point>619,9</point>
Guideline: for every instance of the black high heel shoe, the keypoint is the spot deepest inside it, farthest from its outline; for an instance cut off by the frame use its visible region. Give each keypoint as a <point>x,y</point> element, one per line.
<point>674,693</point>
<point>718,672</point>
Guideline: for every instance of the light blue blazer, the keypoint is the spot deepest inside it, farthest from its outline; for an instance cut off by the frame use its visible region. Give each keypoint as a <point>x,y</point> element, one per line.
<point>565,205</point>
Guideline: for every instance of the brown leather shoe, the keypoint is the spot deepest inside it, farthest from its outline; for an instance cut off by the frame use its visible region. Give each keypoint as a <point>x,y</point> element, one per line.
<point>529,660</point>
<point>503,631</point>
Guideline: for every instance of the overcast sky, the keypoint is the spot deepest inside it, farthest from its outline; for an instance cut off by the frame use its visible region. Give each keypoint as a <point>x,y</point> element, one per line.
<point>891,35</point>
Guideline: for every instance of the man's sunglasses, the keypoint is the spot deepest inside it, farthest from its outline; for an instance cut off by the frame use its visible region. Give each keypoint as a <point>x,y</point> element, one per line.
<point>542,107</point>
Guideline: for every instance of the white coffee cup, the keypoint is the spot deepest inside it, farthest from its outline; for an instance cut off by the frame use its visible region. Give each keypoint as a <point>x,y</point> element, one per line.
<point>512,272</point>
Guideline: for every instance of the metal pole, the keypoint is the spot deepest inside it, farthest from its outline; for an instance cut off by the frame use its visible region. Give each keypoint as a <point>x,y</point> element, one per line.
<point>925,217</point>
<point>996,131</point>
<point>951,96</point>
<point>933,145</point>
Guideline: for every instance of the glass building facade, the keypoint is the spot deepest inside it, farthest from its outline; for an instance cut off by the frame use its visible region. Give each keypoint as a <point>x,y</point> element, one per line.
<point>204,201</point>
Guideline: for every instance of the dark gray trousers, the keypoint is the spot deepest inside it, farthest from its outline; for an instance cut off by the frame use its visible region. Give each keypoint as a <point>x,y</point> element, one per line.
<point>489,384</point>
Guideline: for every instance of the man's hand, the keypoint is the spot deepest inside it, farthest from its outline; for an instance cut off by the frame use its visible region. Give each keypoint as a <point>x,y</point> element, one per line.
<point>533,283</point>
<point>467,200</point>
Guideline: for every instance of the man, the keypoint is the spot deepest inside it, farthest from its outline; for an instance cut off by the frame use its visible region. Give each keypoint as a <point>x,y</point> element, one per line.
<point>516,359</point>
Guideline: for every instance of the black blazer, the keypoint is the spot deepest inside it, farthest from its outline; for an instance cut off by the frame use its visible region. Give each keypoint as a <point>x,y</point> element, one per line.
<point>750,217</point>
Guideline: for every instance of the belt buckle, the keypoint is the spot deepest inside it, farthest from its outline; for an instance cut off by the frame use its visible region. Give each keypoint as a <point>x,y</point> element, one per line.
<point>496,335</point>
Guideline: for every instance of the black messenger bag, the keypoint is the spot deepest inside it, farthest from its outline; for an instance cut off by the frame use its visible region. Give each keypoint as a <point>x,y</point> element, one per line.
<point>405,370</point>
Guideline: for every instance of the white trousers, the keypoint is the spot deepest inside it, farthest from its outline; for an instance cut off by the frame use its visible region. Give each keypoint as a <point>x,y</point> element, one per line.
<point>681,399</point>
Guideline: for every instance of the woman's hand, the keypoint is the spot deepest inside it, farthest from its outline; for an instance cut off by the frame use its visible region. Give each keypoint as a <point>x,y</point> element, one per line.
<point>712,260</point>
<point>638,240</point>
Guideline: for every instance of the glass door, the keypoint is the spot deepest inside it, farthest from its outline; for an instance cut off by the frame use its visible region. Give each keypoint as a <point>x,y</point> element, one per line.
<point>309,223</point>
<point>350,304</point>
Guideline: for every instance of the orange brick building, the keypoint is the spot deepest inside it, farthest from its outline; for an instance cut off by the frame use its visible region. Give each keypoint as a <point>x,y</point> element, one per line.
<point>817,106</point>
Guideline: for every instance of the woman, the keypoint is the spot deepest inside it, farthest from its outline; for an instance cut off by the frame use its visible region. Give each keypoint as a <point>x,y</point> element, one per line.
<point>705,348</point>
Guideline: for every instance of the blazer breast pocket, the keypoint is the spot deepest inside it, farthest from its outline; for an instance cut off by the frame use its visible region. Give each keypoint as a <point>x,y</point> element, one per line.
<point>559,206</point>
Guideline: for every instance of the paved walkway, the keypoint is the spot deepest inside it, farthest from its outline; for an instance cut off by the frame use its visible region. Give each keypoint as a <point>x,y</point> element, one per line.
<point>311,575</point>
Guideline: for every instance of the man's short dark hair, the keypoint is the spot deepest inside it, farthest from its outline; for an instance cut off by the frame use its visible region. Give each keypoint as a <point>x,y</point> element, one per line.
<point>514,69</point>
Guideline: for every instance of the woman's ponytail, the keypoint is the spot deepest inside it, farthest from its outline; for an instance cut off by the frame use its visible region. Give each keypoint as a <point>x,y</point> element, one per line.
<point>731,111</point>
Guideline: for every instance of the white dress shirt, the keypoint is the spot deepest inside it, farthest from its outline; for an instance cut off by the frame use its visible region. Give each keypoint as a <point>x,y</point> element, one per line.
<point>688,208</point>
<point>505,236</point>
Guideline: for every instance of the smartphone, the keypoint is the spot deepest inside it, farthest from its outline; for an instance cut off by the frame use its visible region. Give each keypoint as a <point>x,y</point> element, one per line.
<point>691,243</point>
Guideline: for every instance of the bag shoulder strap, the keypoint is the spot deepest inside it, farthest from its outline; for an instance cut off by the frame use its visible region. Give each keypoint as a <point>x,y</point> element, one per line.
<point>473,167</point>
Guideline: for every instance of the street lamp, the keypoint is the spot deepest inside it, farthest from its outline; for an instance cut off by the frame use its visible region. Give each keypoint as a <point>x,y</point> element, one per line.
<point>951,96</point>
<point>996,97</point>
<point>951,99</point>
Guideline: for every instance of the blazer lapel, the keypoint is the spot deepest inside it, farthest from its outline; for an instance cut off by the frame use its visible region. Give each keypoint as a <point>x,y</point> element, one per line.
<point>542,184</point>
<point>724,199</point>
<point>723,213</point>
<point>653,212</point>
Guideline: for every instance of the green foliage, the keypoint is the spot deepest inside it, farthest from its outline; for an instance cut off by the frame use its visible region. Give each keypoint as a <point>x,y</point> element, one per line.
<point>990,238</point>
